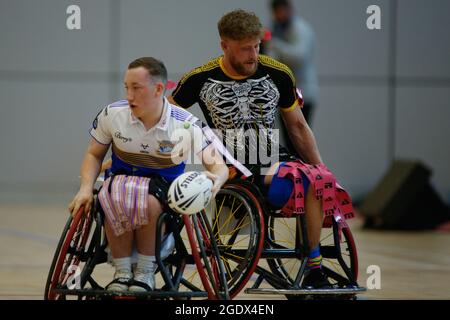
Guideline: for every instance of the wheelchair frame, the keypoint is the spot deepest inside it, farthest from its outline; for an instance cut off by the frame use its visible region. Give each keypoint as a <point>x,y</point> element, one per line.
<point>280,280</point>
<point>83,241</point>
<point>224,268</point>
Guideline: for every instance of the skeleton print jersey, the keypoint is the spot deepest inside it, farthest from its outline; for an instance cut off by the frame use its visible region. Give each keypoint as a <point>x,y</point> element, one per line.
<point>242,109</point>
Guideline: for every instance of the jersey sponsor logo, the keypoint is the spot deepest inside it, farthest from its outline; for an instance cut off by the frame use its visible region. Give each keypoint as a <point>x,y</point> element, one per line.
<point>118,135</point>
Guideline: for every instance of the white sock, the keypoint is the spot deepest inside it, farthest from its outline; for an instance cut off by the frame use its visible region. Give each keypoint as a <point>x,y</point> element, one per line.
<point>123,264</point>
<point>146,263</point>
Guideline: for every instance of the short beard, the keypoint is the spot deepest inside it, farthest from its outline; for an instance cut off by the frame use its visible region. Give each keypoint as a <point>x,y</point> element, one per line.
<point>240,68</point>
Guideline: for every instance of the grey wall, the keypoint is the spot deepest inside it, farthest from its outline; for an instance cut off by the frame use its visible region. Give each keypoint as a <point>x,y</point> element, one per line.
<point>384,93</point>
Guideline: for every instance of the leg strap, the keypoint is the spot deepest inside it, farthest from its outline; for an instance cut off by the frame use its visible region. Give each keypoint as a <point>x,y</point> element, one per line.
<point>335,200</point>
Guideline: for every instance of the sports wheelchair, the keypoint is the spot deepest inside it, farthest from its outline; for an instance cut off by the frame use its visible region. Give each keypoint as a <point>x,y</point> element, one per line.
<point>238,237</point>
<point>257,241</point>
<point>192,270</point>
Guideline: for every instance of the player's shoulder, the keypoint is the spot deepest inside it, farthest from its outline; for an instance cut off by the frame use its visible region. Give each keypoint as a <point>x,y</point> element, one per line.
<point>181,118</point>
<point>276,67</point>
<point>203,69</point>
<point>178,114</point>
<point>115,109</point>
<point>118,105</point>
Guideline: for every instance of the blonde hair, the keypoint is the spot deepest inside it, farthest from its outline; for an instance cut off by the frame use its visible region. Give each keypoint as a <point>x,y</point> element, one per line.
<point>240,24</point>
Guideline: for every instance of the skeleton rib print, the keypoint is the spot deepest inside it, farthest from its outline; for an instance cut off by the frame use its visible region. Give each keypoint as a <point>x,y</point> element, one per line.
<point>249,104</point>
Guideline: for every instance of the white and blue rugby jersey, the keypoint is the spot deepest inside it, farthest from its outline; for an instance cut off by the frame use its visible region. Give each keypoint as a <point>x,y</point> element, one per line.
<point>163,149</point>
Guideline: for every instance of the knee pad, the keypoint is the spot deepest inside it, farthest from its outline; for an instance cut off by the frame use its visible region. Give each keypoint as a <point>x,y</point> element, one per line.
<point>280,190</point>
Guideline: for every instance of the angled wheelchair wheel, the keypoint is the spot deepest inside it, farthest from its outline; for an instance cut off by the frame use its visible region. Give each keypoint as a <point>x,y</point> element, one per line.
<point>75,256</point>
<point>286,233</point>
<point>238,225</point>
<point>206,268</point>
<point>340,261</point>
<point>339,256</point>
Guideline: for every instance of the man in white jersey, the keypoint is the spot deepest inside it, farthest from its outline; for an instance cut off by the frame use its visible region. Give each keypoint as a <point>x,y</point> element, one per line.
<point>150,140</point>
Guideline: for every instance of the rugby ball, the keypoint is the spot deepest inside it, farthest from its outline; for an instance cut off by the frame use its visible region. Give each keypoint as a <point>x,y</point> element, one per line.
<point>190,192</point>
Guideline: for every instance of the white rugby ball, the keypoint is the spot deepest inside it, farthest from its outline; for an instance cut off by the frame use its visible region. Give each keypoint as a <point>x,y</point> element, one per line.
<point>190,192</point>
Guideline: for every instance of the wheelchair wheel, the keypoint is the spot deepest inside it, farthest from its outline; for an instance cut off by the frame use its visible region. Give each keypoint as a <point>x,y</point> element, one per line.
<point>238,225</point>
<point>209,266</point>
<point>73,261</point>
<point>340,261</point>
<point>339,256</point>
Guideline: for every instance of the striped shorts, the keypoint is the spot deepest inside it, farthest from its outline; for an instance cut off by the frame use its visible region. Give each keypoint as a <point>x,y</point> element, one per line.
<point>125,202</point>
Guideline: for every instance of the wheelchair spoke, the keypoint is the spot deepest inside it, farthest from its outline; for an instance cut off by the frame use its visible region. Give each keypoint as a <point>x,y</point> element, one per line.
<point>289,228</point>
<point>276,232</point>
<point>327,237</point>
<point>217,212</point>
<point>227,222</point>
<point>235,233</point>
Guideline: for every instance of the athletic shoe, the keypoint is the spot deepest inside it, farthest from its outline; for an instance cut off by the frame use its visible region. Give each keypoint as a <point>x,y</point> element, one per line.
<point>144,279</point>
<point>122,278</point>
<point>316,279</point>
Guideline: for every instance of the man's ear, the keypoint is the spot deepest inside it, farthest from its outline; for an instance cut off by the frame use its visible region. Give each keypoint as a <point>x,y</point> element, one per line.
<point>223,44</point>
<point>160,88</point>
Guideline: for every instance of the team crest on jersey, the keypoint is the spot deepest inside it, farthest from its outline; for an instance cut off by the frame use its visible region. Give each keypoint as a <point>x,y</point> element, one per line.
<point>166,146</point>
